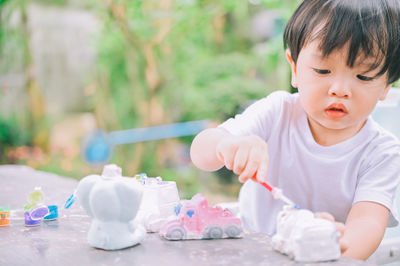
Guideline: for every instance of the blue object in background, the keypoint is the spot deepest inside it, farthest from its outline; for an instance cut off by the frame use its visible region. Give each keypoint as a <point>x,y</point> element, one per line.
<point>98,146</point>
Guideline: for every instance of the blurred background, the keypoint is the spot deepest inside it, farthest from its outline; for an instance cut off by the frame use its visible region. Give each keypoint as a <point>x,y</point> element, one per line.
<point>70,67</point>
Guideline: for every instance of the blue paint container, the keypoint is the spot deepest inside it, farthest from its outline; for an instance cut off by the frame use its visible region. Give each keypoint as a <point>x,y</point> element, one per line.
<point>53,213</point>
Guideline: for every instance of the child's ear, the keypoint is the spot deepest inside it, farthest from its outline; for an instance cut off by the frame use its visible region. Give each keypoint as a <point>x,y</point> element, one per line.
<point>385,92</point>
<point>293,67</point>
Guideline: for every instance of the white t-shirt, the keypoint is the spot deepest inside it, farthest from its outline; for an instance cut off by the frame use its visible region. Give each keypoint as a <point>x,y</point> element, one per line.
<point>365,167</point>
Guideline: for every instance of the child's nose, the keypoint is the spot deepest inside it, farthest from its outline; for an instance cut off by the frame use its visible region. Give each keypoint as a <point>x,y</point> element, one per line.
<point>340,90</point>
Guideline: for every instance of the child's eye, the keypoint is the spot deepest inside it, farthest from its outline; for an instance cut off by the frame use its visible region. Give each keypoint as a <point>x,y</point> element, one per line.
<point>364,78</point>
<point>322,71</point>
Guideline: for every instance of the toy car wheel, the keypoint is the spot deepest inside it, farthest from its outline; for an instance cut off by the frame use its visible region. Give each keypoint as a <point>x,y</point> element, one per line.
<point>213,232</point>
<point>176,233</point>
<point>233,230</point>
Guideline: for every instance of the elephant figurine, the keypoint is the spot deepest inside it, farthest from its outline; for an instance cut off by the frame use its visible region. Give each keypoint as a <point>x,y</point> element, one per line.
<point>112,201</point>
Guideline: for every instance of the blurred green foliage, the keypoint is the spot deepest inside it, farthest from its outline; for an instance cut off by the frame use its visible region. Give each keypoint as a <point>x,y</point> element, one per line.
<point>9,137</point>
<point>202,61</point>
<point>164,61</point>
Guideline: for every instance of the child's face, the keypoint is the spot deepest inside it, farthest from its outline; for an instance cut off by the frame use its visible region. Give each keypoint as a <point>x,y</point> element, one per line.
<point>335,96</point>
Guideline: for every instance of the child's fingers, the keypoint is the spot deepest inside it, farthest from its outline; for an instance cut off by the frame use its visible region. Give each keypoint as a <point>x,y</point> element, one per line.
<point>240,160</point>
<point>344,245</point>
<point>220,156</point>
<point>253,163</point>
<point>340,227</point>
<point>249,172</point>
<point>243,178</point>
<point>226,152</point>
<point>263,168</point>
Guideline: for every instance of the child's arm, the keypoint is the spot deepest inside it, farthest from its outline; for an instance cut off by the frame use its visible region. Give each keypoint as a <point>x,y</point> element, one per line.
<point>203,149</point>
<point>244,155</point>
<point>364,229</point>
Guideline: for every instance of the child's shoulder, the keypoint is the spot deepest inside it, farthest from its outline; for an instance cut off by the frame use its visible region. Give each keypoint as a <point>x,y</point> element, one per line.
<point>382,135</point>
<point>382,143</point>
<point>283,96</point>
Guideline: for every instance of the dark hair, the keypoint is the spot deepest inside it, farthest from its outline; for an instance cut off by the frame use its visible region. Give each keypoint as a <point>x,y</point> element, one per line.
<point>371,27</point>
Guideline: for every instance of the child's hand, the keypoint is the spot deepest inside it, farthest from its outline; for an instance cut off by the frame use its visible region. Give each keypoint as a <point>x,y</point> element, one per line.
<point>245,156</point>
<point>340,227</point>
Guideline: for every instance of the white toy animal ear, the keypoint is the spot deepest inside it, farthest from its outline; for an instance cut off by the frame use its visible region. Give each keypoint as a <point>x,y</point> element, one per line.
<point>130,196</point>
<point>105,202</point>
<point>83,191</point>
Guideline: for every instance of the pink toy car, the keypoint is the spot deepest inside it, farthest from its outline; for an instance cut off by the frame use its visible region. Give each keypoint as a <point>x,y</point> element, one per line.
<point>196,220</point>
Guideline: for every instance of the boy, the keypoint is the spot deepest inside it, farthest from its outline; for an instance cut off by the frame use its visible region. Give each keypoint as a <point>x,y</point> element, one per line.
<point>320,146</point>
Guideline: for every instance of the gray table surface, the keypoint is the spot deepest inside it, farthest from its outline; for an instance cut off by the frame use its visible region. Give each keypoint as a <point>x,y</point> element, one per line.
<point>63,241</point>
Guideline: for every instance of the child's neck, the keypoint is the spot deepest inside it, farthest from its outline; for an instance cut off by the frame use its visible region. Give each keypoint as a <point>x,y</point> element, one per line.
<point>328,137</point>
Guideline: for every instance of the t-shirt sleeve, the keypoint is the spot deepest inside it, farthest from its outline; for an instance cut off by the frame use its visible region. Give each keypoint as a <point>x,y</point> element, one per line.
<point>379,180</point>
<point>259,118</point>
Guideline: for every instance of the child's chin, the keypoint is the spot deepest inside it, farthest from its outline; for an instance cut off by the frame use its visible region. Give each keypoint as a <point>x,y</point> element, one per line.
<point>342,125</point>
<point>335,126</point>
<point>328,123</point>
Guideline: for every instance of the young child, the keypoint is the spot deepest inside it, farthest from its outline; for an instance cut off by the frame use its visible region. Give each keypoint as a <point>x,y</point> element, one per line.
<point>320,145</point>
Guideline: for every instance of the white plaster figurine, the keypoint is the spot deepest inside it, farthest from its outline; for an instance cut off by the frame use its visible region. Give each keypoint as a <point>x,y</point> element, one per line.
<point>112,201</point>
<point>158,203</point>
<point>305,238</point>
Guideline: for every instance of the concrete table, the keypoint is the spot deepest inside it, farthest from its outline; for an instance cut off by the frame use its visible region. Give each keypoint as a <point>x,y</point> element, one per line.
<point>63,241</point>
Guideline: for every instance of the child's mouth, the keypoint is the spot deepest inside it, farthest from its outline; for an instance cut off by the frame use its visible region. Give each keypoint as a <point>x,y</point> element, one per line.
<point>336,110</point>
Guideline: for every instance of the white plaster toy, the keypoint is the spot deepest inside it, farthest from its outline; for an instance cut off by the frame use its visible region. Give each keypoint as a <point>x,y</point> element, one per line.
<point>112,201</point>
<point>196,220</point>
<point>158,202</point>
<point>305,238</point>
